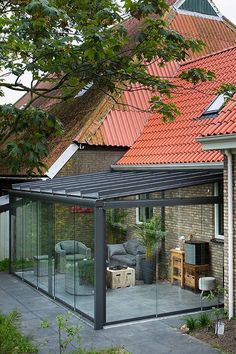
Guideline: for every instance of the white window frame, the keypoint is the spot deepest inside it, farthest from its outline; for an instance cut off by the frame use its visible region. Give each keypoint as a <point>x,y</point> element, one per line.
<point>138,221</point>
<point>216,212</point>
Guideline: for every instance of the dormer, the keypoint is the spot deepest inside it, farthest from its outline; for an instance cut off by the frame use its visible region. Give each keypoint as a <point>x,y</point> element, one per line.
<point>203,8</point>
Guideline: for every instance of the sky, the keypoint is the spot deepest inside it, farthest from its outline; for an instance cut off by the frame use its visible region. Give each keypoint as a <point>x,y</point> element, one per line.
<point>226,7</point>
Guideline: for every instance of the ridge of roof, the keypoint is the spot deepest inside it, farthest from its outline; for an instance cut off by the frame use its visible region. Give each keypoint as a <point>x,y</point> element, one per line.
<point>206,56</point>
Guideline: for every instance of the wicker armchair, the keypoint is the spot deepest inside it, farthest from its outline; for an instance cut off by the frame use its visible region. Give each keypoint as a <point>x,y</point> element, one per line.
<point>70,251</point>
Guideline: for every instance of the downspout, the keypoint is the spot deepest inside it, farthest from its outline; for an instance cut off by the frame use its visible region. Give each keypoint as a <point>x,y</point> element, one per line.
<point>230,234</point>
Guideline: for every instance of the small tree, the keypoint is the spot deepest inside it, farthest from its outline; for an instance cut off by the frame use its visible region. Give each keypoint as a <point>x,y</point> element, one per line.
<point>67,333</point>
<point>66,46</point>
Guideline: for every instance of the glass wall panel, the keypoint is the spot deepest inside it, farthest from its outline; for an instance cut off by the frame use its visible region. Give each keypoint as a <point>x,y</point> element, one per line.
<point>53,249</point>
<point>180,258</point>
<point>131,289</point>
<point>84,235</point>
<point>29,240</point>
<point>44,260</point>
<point>74,256</point>
<point>16,235</point>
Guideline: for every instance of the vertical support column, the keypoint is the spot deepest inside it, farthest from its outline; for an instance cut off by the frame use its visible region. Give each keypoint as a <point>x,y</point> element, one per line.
<point>100,269</point>
<point>12,231</point>
<point>50,245</point>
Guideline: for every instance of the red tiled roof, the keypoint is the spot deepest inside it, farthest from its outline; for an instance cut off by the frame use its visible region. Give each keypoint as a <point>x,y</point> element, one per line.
<point>120,128</point>
<point>225,123</point>
<point>189,26</point>
<point>216,34</point>
<point>166,143</point>
<point>109,127</point>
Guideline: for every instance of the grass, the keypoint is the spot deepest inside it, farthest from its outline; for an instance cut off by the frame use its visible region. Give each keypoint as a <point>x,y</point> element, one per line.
<point>4,264</point>
<point>12,341</point>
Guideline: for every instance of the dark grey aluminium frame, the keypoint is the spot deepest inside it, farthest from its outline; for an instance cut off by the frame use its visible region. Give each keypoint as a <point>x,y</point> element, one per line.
<point>98,191</point>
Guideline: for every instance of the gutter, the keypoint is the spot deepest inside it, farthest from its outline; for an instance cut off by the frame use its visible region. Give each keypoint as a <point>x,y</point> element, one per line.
<point>230,234</point>
<point>218,142</point>
<point>164,167</point>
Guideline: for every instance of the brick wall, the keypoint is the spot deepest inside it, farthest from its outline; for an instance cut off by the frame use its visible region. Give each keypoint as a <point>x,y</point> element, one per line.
<point>226,230</point>
<point>70,225</point>
<point>182,220</point>
<point>91,159</point>
<point>197,220</point>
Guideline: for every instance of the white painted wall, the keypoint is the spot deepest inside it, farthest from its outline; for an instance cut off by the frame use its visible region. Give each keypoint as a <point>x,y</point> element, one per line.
<point>4,235</point>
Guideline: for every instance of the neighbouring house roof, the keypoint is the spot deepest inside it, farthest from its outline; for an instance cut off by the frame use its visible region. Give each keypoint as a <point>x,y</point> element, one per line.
<point>175,143</point>
<point>97,120</point>
<point>136,100</point>
<point>119,128</point>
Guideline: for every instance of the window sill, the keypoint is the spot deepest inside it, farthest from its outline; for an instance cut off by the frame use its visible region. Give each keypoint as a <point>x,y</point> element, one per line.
<point>217,240</point>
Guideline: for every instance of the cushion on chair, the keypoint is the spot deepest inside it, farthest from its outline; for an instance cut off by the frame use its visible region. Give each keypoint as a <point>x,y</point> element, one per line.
<point>116,249</point>
<point>140,249</point>
<point>126,259</point>
<point>68,246</point>
<point>133,247</point>
<point>75,257</point>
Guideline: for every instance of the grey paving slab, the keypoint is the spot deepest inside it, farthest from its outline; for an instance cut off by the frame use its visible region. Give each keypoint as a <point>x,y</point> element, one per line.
<point>147,337</point>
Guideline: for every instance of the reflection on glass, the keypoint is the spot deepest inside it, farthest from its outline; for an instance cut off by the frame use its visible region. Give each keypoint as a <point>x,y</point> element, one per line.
<point>53,249</point>
<point>131,296</point>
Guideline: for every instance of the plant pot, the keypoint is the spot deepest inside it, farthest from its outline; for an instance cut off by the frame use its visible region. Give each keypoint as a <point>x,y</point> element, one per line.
<point>148,270</point>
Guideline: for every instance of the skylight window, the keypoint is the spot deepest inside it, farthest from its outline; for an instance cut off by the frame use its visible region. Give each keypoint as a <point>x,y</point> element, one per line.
<point>215,106</point>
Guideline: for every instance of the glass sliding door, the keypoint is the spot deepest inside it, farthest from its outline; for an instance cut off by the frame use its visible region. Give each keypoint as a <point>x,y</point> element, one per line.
<point>44,260</point>
<point>131,276</point>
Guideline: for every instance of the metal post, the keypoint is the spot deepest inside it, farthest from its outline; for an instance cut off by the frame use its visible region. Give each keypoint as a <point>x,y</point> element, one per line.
<point>12,231</point>
<point>50,246</point>
<point>100,269</point>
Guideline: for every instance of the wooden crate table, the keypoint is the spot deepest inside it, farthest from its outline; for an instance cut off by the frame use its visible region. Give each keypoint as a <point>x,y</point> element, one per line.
<point>121,278</point>
<point>192,273</point>
<point>177,266</point>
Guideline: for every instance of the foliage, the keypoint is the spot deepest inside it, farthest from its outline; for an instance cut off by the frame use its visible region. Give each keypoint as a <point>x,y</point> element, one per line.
<point>116,225</point>
<point>66,46</point>
<point>86,271</point>
<point>23,263</point>
<point>218,312</point>
<point>217,293</point>
<point>4,264</point>
<point>11,340</point>
<point>204,320</point>
<point>191,323</point>
<point>150,233</point>
<point>67,333</point>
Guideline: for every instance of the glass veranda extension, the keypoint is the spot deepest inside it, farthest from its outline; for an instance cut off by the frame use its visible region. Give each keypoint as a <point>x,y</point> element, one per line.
<point>67,234</point>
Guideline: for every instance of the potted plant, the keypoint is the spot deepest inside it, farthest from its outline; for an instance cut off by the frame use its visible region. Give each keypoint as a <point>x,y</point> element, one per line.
<point>150,234</point>
<point>116,225</point>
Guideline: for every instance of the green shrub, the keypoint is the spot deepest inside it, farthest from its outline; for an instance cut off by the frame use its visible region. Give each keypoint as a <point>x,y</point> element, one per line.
<point>204,320</point>
<point>191,323</point>
<point>4,264</point>
<point>11,340</point>
<point>86,271</point>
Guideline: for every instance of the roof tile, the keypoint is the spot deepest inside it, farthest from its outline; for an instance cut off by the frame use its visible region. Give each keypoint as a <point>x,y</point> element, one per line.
<point>165,143</point>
